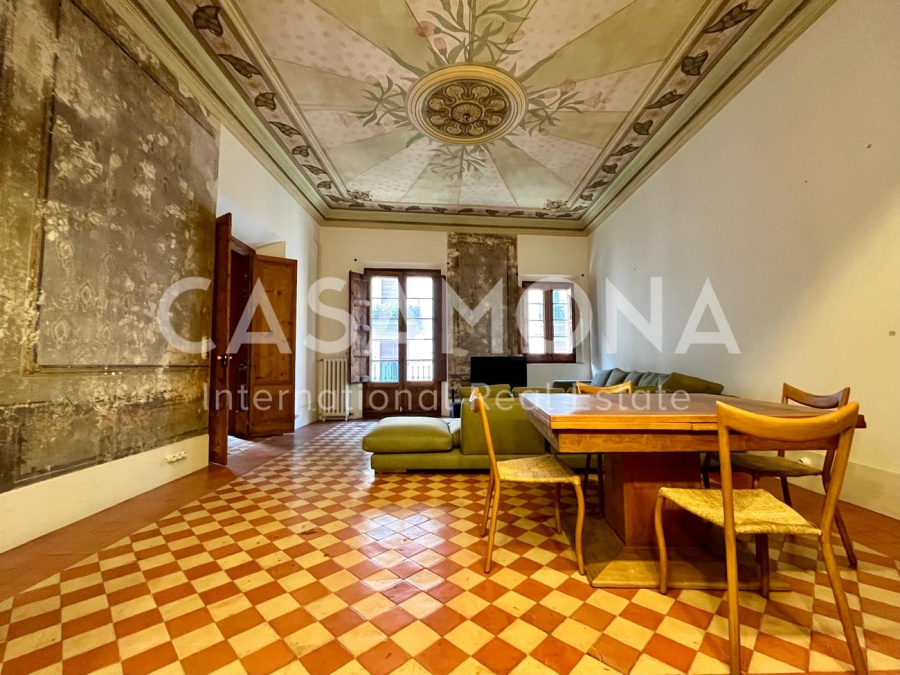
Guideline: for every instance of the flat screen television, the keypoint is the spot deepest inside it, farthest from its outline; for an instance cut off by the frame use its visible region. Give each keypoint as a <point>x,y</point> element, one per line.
<point>511,370</point>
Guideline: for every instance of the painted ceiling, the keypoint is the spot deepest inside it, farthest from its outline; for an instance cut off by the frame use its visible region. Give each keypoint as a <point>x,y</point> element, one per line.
<point>594,80</point>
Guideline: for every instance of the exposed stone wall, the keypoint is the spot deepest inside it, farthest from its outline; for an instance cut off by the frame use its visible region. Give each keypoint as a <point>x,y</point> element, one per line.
<point>107,197</point>
<point>481,268</point>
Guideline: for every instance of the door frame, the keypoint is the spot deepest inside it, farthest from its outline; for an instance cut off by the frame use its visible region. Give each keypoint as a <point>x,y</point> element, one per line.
<point>220,333</point>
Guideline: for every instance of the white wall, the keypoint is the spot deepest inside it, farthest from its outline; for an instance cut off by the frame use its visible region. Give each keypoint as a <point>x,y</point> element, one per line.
<point>266,217</point>
<point>34,510</point>
<point>567,258</point>
<point>789,202</point>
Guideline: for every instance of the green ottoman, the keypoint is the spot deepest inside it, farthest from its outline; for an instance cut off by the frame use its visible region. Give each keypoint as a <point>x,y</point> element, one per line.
<point>409,434</point>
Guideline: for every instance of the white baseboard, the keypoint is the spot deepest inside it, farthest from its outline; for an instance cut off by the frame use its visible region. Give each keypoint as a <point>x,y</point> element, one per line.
<point>866,486</point>
<point>34,510</point>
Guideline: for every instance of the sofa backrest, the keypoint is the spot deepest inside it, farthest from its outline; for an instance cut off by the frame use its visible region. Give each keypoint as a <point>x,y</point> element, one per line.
<point>669,382</point>
<point>511,430</point>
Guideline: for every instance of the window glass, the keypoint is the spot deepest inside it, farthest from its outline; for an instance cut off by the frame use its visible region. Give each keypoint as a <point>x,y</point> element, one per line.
<point>385,341</point>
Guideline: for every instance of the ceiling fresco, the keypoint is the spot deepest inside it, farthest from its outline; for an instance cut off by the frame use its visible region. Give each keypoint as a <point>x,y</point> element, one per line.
<point>516,108</point>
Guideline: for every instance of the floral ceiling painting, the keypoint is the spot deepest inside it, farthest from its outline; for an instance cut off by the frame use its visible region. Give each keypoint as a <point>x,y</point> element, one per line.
<point>517,108</point>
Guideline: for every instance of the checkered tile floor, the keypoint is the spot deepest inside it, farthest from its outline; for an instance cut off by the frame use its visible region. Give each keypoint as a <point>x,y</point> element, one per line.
<point>313,564</point>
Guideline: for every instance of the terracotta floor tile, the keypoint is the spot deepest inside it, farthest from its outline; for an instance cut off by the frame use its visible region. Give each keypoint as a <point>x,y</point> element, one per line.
<point>34,661</point>
<point>670,652</point>
<point>500,656</point>
<point>326,659</point>
<point>615,654</point>
<point>93,660</point>
<point>442,657</point>
<point>443,620</point>
<point>557,655</point>
<point>493,619</point>
<point>291,622</point>
<point>209,660</point>
<point>542,617</point>
<point>268,659</point>
<point>393,620</point>
<point>239,622</point>
<point>34,623</point>
<point>383,658</point>
<point>150,660</point>
<point>137,623</point>
<point>342,621</point>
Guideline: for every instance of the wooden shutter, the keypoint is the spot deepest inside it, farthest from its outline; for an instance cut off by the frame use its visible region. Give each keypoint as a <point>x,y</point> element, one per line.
<point>441,329</point>
<point>360,328</point>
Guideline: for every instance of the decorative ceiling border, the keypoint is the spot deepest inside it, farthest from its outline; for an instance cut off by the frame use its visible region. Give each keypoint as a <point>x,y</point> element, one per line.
<point>727,25</point>
<point>761,44</point>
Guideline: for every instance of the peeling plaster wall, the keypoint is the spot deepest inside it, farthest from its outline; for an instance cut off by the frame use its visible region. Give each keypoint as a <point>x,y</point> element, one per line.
<point>479,266</point>
<point>107,197</point>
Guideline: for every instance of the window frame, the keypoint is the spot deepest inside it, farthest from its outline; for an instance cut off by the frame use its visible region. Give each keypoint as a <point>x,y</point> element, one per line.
<point>439,359</point>
<point>547,288</point>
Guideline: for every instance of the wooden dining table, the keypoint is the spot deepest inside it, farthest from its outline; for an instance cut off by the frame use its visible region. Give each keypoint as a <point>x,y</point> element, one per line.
<point>648,440</point>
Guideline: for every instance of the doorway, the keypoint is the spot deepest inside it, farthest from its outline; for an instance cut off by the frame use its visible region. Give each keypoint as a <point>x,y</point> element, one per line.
<point>253,360</point>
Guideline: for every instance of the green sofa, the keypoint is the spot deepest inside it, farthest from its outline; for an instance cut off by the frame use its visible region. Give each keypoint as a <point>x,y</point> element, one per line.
<point>430,444</point>
<point>647,381</point>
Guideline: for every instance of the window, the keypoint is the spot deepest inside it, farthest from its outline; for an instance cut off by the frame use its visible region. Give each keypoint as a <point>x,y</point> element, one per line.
<point>546,322</point>
<point>404,330</point>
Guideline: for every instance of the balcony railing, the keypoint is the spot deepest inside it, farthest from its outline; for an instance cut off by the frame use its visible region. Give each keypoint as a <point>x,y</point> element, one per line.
<point>416,371</point>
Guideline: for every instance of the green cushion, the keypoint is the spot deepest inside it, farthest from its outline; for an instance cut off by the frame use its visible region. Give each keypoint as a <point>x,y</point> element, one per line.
<point>651,380</point>
<point>617,376</point>
<point>692,385</point>
<point>600,378</point>
<point>455,427</point>
<point>488,391</point>
<point>537,390</point>
<point>409,434</point>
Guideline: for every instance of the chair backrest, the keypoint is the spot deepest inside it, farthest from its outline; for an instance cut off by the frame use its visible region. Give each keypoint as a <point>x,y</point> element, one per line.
<point>624,388</point>
<point>476,400</point>
<point>791,394</point>
<point>839,423</point>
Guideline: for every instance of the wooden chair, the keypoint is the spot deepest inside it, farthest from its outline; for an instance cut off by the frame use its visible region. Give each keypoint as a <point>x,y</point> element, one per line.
<point>546,469</point>
<point>758,513</point>
<point>778,466</point>
<point>582,388</point>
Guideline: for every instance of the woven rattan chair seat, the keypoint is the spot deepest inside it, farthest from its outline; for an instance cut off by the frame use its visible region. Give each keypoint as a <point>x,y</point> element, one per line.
<point>539,469</point>
<point>755,511</point>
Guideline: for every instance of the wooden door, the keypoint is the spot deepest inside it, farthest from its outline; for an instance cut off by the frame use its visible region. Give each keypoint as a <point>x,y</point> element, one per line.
<point>239,367</point>
<point>219,394</point>
<point>272,364</point>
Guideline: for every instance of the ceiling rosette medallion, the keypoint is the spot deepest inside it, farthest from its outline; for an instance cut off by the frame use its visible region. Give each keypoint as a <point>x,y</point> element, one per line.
<point>466,104</point>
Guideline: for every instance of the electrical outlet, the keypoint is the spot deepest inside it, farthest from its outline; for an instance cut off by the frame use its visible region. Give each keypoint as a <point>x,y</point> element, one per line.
<point>176,456</point>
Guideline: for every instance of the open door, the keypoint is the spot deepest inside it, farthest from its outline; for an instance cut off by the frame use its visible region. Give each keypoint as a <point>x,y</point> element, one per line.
<point>271,391</point>
<point>219,359</point>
